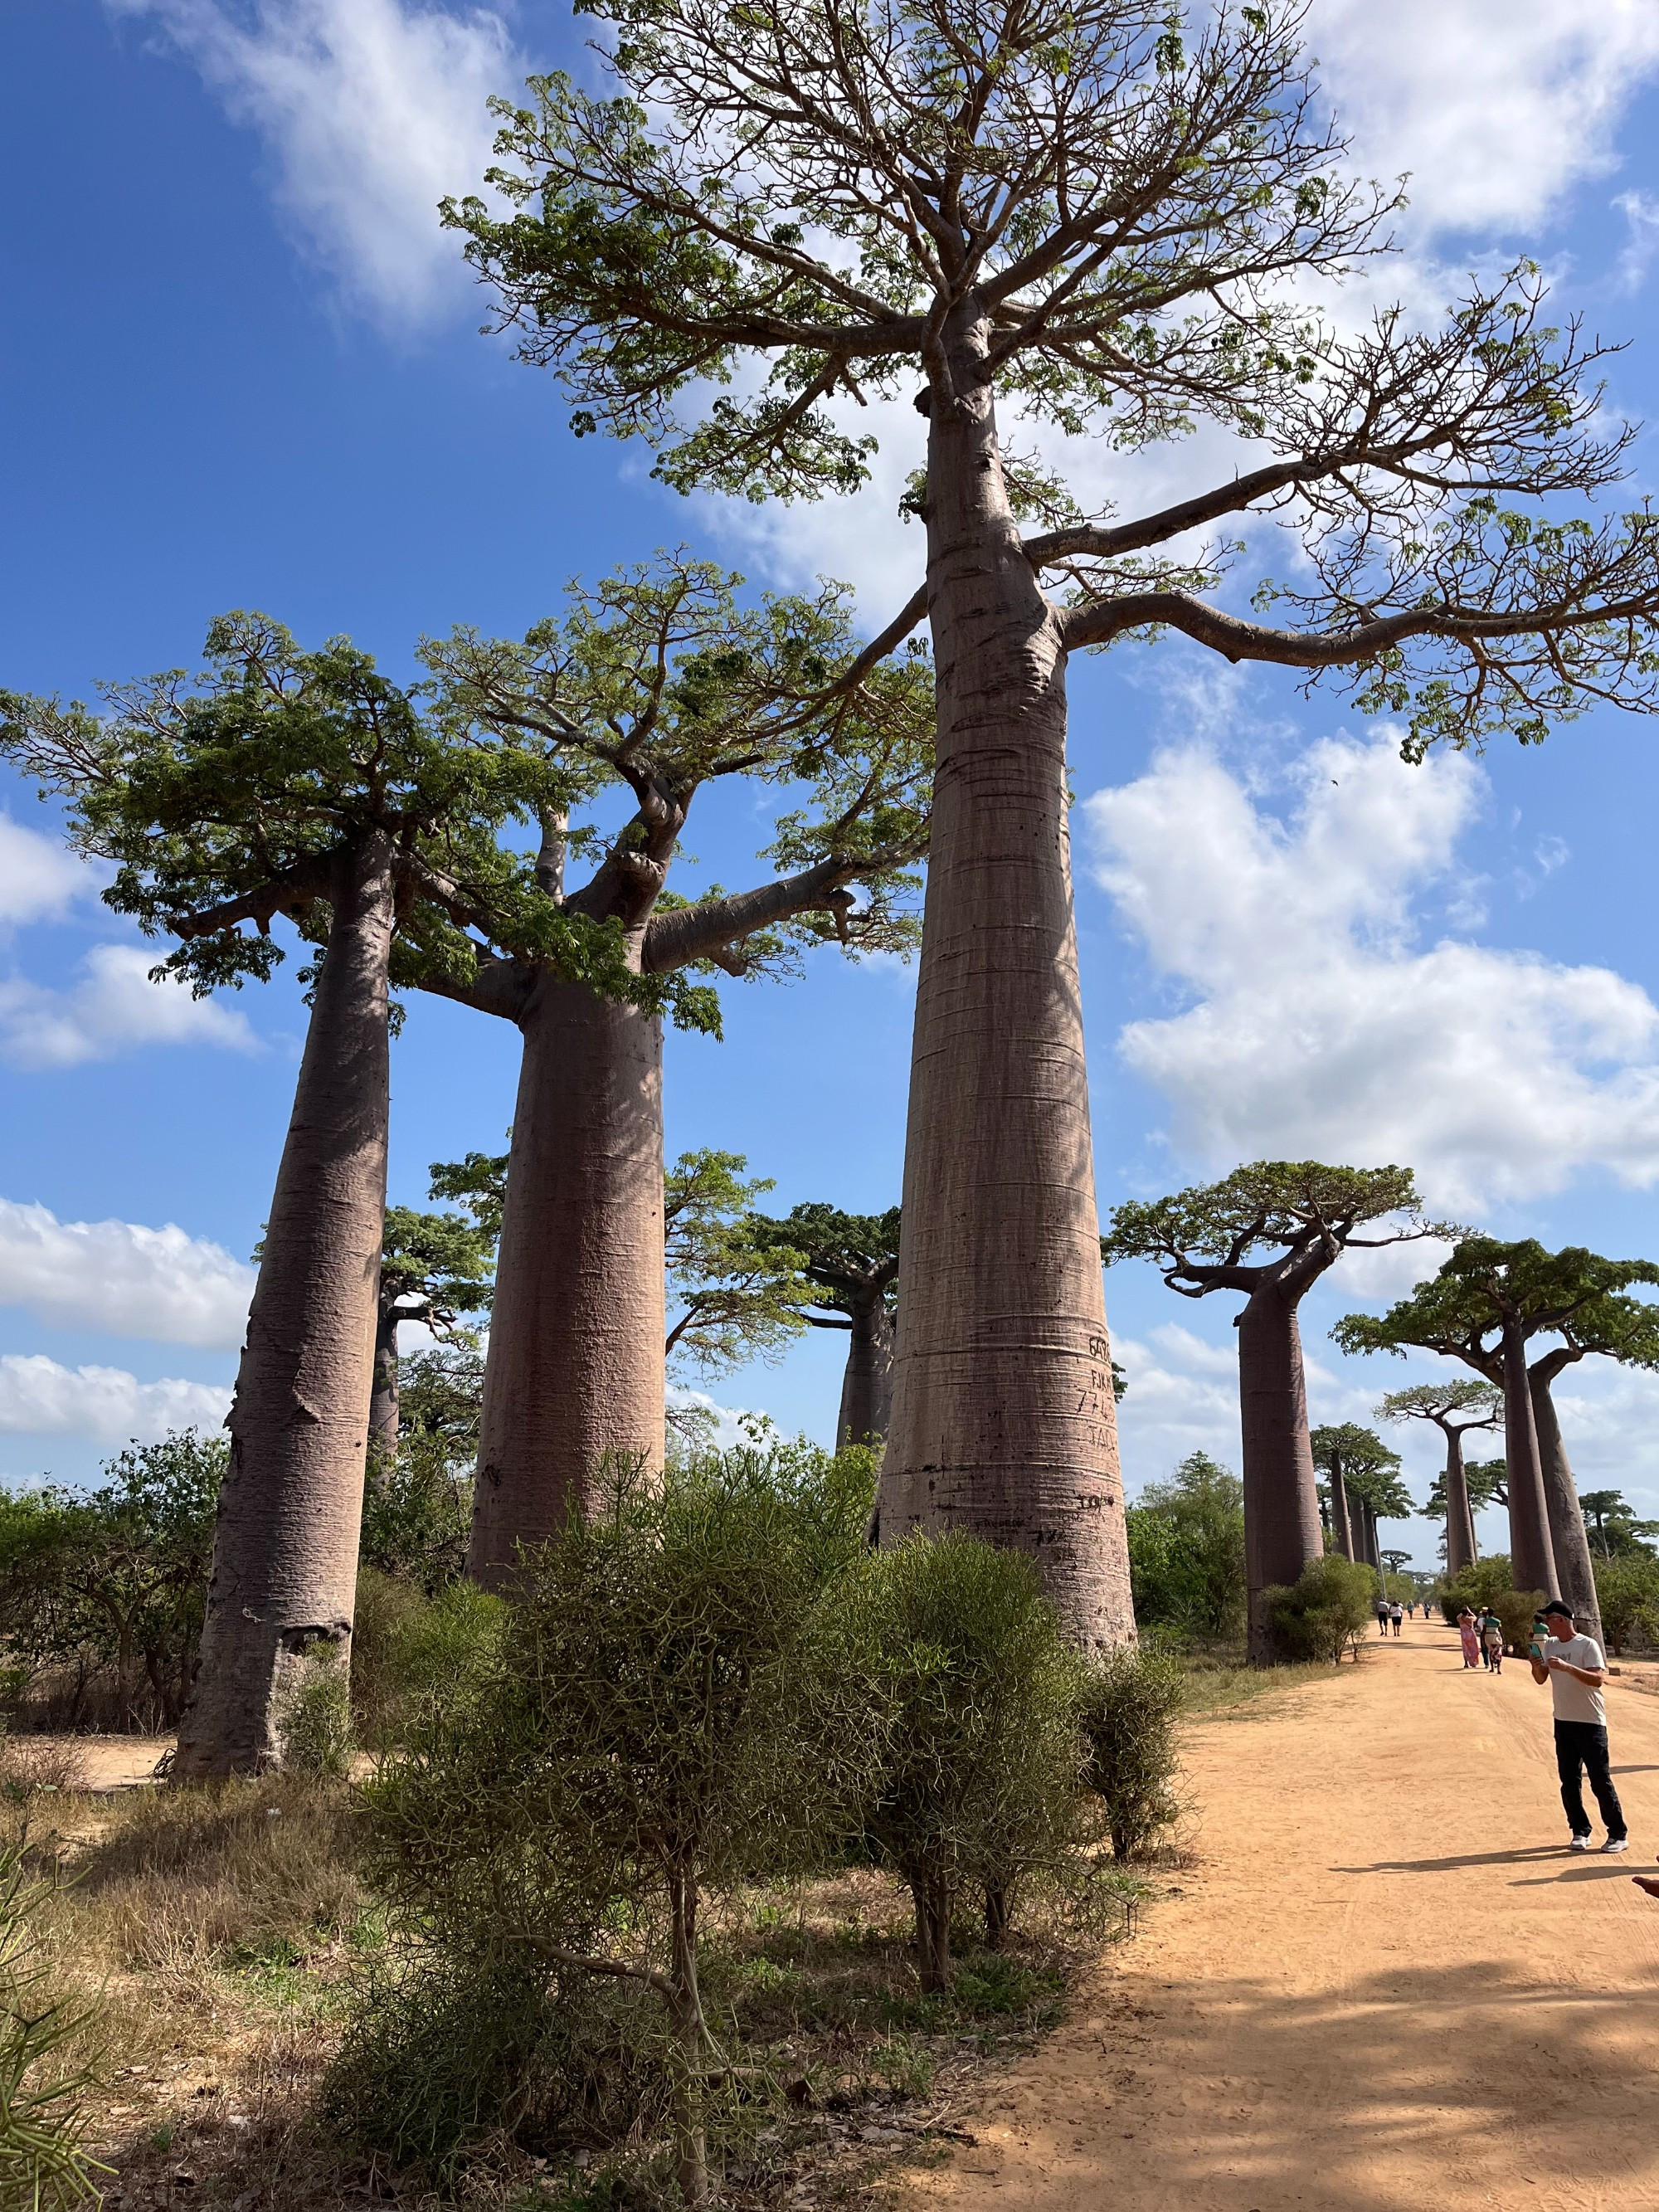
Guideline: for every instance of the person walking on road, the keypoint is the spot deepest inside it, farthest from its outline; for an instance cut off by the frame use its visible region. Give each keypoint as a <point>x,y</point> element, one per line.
<point>1465,1628</point>
<point>1491,1639</point>
<point>1396,1614</point>
<point>1576,1669</point>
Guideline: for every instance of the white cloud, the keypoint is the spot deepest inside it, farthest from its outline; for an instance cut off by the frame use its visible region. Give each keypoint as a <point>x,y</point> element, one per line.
<point>1641,214</point>
<point>113,1009</point>
<point>1319,1028</point>
<point>40,876</point>
<point>123,1278</point>
<point>1496,108</point>
<point>39,1397</point>
<point>373,111</point>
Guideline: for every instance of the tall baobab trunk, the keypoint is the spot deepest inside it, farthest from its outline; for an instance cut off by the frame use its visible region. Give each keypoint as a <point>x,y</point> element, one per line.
<point>1460,1514</point>
<point>1532,1556</point>
<point>1575,1570</point>
<point>574,1377</point>
<point>285,1543</point>
<point>1003,1417</point>
<point>867,1386</point>
<point>383,1401</point>
<point>1281,1517</point>
<point>1341,1520</point>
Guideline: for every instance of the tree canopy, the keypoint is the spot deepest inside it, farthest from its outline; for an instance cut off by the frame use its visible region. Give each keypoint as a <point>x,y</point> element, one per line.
<point>1574,1294</point>
<point>1460,1403</point>
<point>1292,1217</point>
<point>1370,1469</point>
<point>848,1258</point>
<point>1614,1530</point>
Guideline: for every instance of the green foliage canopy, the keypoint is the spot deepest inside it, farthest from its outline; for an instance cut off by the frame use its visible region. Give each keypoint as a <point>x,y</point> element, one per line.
<point>1186,1551</point>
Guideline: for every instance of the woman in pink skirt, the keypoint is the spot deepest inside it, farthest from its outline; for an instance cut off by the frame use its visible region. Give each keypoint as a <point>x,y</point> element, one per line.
<point>1467,1629</point>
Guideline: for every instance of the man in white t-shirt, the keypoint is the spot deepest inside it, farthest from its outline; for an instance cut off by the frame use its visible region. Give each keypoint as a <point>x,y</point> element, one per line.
<point>1575,1667</point>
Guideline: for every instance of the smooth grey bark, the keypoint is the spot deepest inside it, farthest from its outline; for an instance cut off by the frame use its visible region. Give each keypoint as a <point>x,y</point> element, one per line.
<point>1532,1556</point>
<point>383,1400</point>
<point>574,1376</point>
<point>866,1385</point>
<point>1341,1517</point>
<point>285,1542</point>
<point>1569,1539</point>
<point>1003,1420</point>
<point>1282,1530</point>
<point>1461,1550</point>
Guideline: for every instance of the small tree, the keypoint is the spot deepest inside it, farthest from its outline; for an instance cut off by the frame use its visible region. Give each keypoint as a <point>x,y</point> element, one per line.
<point>649,1730</point>
<point>1301,1216</point>
<point>1454,1408</point>
<point>1129,1704</point>
<point>655,685</point>
<point>1324,1612</point>
<point>287,783</point>
<point>974,1692</point>
<point>851,1262</point>
<point>1486,1305</point>
<point>1115,221</point>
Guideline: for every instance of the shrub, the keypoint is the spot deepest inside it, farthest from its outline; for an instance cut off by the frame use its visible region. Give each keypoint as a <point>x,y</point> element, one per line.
<point>43,2163</point>
<point>1489,1585</point>
<point>972,1694</point>
<point>408,1649</point>
<point>1187,1552</point>
<point>1324,1612</point>
<point>1627,1592</point>
<point>1127,1706</point>
<point>646,1727</point>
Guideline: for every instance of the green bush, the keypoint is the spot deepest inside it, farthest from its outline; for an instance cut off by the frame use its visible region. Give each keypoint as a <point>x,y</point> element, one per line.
<point>1186,1552</point>
<point>972,1694</point>
<point>1324,1612</point>
<point>1128,1703</point>
<point>43,2163</point>
<point>408,1649</point>
<point>1627,1593</point>
<point>1489,1585</point>
<point>649,1723</point>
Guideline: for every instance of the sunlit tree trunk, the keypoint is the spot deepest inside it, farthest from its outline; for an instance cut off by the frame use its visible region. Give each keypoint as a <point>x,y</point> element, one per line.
<point>867,1386</point>
<point>1281,1495</point>
<point>573,1378</point>
<point>1003,1418</point>
<point>1575,1570</point>
<point>285,1542</point>
<point>1341,1522</point>
<point>1460,1516</point>
<point>383,1401</point>
<point>1532,1557</point>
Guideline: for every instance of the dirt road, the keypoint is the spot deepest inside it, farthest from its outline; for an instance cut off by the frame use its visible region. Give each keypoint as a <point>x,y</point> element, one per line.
<point>1384,1984</point>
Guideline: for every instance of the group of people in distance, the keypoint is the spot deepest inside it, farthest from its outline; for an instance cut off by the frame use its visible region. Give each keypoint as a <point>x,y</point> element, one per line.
<point>1483,1638</point>
<point>1390,1612</point>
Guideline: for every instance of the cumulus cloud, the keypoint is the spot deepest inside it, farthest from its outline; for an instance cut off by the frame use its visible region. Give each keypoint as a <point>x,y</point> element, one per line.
<point>114,1008</point>
<point>1319,1026</point>
<point>373,111</point>
<point>1496,108</point>
<point>39,877</point>
<point>106,1405</point>
<point>1641,214</point>
<point>122,1278</point>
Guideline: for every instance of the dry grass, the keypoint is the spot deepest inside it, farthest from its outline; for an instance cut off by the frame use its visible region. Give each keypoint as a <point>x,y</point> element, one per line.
<point>1221,1687</point>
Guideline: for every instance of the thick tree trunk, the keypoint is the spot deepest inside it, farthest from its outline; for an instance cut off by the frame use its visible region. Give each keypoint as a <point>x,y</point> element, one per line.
<point>1281,1495</point>
<point>1460,1518</point>
<point>1004,1422</point>
<point>866,1387</point>
<point>1575,1572</point>
<point>1342,1516</point>
<point>285,1543</point>
<point>1532,1556</point>
<point>574,1379</point>
<point>383,1401</point>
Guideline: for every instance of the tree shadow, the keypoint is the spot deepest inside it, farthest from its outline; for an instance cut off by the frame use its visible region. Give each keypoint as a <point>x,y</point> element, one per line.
<point>1234,2093</point>
<point>1466,1859</point>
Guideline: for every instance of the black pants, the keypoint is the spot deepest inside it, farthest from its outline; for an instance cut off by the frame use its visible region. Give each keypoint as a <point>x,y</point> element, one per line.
<point>1582,1747</point>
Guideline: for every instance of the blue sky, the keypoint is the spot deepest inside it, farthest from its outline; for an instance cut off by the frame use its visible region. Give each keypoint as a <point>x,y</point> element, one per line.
<point>242,367</point>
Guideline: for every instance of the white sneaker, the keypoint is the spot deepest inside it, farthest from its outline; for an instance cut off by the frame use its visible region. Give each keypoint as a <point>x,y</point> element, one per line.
<point>1579,1844</point>
<point>1616,1843</point>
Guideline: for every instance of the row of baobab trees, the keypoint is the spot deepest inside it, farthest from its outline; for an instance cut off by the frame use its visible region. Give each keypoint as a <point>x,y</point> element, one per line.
<point>1097,217</point>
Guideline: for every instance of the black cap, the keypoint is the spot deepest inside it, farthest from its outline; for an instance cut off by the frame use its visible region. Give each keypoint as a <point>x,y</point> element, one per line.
<point>1555,1606</point>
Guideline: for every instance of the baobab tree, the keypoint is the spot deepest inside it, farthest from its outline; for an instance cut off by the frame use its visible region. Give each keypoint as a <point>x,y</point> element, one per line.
<point>283,783</point>
<point>655,683</point>
<point>1377,1493</point>
<point>1480,1405</point>
<point>1113,224</point>
<point>1486,1305</point>
<point>435,1267</point>
<point>1341,1453</point>
<point>1483,1481</point>
<point>850,1261</point>
<point>1300,1217</point>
